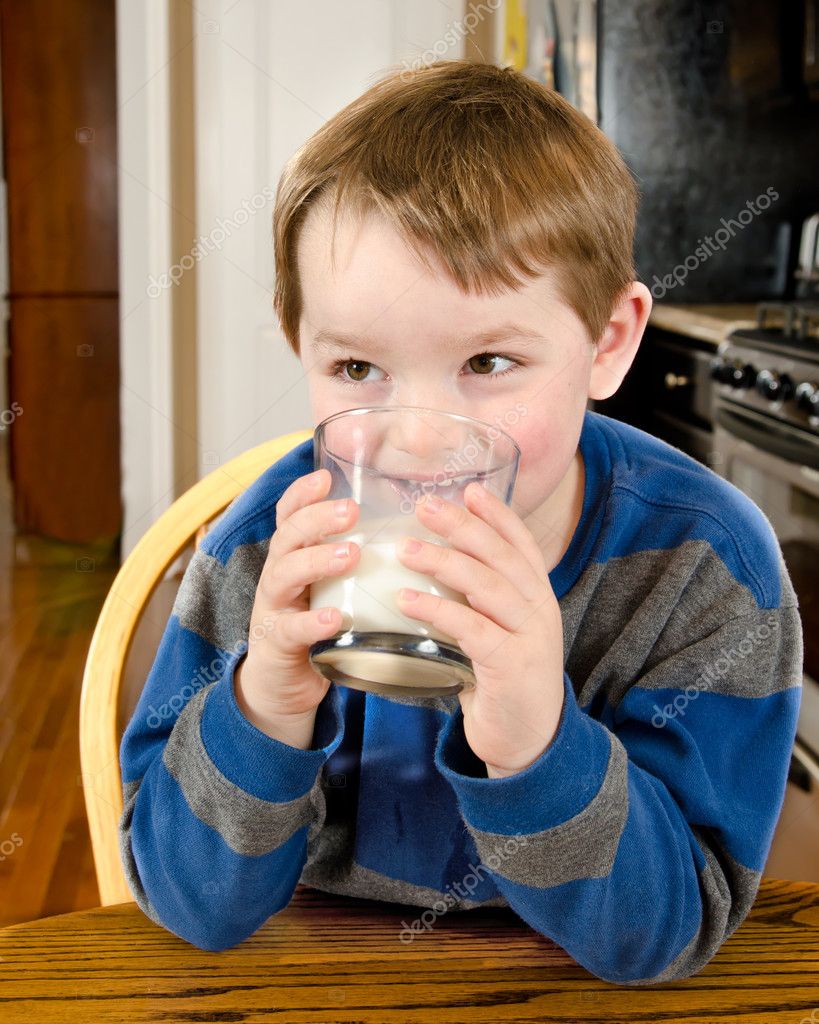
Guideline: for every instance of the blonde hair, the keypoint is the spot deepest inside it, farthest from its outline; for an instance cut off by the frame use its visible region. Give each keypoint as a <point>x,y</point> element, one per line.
<point>495,173</point>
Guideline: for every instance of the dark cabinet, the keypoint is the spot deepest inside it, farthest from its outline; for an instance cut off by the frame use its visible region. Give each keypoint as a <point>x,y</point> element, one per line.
<point>60,164</point>
<point>668,392</point>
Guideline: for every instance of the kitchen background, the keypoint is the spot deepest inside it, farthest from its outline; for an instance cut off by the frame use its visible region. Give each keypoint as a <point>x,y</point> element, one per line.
<point>121,387</point>
<point>715,107</point>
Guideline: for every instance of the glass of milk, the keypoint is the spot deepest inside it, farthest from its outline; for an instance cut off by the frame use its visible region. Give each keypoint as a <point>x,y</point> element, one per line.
<point>388,459</point>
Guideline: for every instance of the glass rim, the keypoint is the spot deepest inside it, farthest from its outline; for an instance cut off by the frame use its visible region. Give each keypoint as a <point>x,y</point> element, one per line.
<point>364,409</point>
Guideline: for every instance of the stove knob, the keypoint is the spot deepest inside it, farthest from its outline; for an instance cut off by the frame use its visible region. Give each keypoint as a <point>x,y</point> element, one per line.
<point>725,372</point>
<point>773,385</point>
<point>786,387</point>
<point>740,375</point>
<point>807,397</point>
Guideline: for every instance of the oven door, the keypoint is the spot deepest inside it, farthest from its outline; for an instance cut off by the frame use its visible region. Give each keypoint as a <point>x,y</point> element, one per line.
<point>778,468</point>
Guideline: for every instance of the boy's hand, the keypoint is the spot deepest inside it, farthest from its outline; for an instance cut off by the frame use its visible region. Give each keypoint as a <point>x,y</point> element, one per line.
<point>512,629</point>
<point>277,688</point>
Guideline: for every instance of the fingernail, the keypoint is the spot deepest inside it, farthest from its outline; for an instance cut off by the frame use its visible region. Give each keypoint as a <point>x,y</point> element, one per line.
<point>410,546</point>
<point>342,507</point>
<point>407,595</point>
<point>342,551</point>
<point>314,480</point>
<point>434,503</point>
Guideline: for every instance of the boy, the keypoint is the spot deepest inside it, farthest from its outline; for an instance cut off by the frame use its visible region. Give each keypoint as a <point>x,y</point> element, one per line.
<point>616,775</point>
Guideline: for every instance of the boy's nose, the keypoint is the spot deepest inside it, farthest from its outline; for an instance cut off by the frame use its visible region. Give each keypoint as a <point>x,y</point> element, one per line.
<point>425,439</point>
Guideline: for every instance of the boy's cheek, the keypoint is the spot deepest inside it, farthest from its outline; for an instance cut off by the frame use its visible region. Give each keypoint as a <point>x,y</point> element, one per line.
<point>547,449</point>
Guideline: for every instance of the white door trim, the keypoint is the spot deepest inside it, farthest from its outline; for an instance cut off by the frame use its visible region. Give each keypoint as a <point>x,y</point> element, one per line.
<point>144,180</point>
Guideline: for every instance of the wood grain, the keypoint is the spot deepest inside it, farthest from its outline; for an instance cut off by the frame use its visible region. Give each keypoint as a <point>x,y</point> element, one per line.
<point>60,142</point>
<point>59,106</point>
<point>48,609</point>
<point>326,959</point>
<point>65,444</point>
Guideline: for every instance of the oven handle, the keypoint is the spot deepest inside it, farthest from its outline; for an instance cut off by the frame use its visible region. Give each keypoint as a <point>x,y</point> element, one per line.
<point>769,439</point>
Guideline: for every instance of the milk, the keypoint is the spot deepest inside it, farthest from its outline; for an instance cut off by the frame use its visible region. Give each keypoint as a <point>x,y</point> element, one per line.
<point>367,599</point>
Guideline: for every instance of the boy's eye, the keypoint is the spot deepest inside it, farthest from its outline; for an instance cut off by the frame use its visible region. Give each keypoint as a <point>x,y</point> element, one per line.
<point>357,370</point>
<point>356,364</point>
<point>479,363</point>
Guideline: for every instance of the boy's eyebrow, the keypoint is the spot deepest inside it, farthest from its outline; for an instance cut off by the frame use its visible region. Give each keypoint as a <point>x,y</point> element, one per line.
<point>326,340</point>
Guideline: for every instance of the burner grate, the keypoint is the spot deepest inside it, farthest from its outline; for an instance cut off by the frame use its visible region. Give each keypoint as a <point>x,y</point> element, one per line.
<point>797,319</point>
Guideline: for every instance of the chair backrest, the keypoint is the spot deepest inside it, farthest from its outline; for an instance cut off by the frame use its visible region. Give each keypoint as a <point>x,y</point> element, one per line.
<point>138,577</point>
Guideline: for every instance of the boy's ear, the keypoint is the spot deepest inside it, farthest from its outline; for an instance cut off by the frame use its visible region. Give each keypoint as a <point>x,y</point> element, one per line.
<point>618,346</point>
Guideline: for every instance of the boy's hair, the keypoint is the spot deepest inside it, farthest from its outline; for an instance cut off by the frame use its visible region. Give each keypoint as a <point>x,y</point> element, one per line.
<point>489,169</point>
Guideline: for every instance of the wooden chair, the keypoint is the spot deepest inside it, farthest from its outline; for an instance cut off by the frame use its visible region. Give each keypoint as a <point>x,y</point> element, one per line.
<point>139,576</point>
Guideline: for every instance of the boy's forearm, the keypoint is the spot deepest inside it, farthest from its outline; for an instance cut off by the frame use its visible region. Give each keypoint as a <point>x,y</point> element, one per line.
<point>242,830</point>
<point>294,730</point>
<point>572,838</point>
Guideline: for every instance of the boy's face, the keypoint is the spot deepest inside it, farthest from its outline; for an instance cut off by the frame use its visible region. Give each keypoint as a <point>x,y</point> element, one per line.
<point>410,329</point>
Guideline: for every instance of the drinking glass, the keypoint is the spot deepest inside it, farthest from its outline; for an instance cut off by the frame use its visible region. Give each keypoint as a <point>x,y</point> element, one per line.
<point>388,459</point>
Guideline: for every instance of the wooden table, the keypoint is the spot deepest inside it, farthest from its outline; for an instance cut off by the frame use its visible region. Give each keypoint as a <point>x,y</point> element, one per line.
<point>327,959</point>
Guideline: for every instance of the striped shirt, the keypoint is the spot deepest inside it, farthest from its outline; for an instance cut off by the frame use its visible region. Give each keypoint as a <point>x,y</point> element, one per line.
<point>637,839</point>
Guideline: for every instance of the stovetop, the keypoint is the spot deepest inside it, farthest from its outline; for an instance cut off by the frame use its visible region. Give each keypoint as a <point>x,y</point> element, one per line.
<point>773,368</point>
<point>780,324</point>
<point>773,340</point>
<point>798,318</point>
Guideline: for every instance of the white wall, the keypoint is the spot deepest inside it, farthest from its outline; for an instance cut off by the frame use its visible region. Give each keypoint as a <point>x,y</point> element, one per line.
<point>268,76</point>
<point>146,404</point>
<point>268,73</point>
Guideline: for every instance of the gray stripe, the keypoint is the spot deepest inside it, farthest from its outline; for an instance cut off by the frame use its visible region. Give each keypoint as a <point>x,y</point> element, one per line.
<point>627,617</point>
<point>728,890</point>
<point>129,795</point>
<point>644,616</point>
<point>249,825</point>
<point>582,847</point>
<point>365,884</point>
<point>215,600</point>
<point>756,655</point>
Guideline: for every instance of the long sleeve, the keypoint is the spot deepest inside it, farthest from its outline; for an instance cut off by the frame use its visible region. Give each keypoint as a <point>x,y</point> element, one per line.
<point>637,840</point>
<point>217,815</point>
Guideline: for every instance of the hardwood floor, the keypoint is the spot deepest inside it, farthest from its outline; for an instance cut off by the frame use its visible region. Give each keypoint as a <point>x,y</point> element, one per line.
<point>50,596</point>
<point>49,602</point>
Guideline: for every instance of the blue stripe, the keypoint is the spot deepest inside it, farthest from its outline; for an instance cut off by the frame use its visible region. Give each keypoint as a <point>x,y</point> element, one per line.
<point>181,668</point>
<point>253,515</point>
<point>631,924</point>
<point>666,498</point>
<point>408,823</point>
<point>206,913</point>
<point>721,756</point>
<point>257,763</point>
<point>597,464</point>
<point>556,787</point>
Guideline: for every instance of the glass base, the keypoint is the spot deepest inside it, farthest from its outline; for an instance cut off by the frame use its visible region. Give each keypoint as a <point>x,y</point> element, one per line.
<point>393,664</point>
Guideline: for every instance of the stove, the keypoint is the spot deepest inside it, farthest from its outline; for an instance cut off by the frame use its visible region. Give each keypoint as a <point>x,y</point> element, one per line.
<point>773,368</point>
<point>766,442</point>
